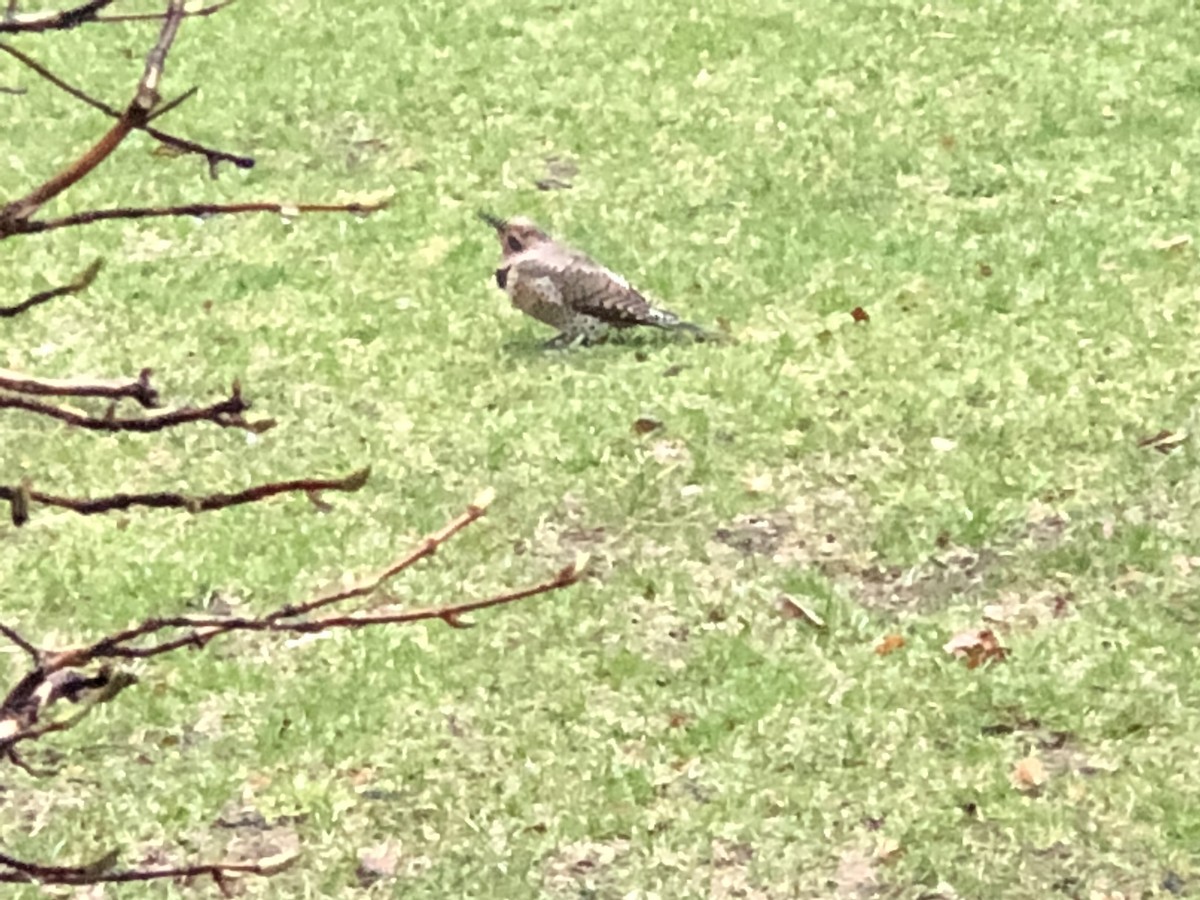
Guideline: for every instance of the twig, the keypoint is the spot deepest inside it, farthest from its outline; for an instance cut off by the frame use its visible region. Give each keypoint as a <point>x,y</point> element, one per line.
<point>163,108</point>
<point>138,389</point>
<point>211,154</point>
<point>15,636</point>
<point>362,207</point>
<point>57,674</point>
<point>136,114</point>
<point>14,91</point>
<point>101,871</point>
<point>226,413</point>
<point>148,17</point>
<point>56,20</point>
<point>82,283</point>
<point>90,506</point>
<point>425,548</point>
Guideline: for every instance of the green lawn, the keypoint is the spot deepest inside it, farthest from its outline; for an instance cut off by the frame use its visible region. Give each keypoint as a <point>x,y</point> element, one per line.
<point>993,183</point>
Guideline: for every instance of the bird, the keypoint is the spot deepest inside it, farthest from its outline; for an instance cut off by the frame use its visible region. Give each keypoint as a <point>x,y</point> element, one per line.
<point>568,290</point>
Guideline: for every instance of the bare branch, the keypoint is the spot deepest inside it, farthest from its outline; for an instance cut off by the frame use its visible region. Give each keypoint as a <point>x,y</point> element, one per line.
<point>138,389</point>
<point>226,413</point>
<point>211,154</point>
<point>15,636</point>
<point>101,871</point>
<point>202,210</point>
<point>425,548</point>
<point>56,20</point>
<point>148,17</point>
<point>61,675</point>
<point>82,283</point>
<point>136,115</point>
<point>163,108</point>
<point>90,506</point>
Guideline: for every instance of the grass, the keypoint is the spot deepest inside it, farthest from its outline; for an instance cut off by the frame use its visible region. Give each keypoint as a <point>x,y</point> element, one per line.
<point>988,183</point>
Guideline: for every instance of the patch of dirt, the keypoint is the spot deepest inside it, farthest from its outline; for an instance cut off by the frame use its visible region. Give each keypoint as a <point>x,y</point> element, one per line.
<point>952,571</point>
<point>583,868</point>
<point>731,873</point>
<point>559,537</point>
<point>826,531</point>
<point>855,877</point>
<point>756,534</point>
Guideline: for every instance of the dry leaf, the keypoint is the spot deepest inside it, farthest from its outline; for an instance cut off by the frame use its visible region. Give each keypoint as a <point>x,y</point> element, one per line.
<point>1028,775</point>
<point>858,314</point>
<point>646,424</point>
<point>790,609</point>
<point>1165,441</point>
<point>889,644</point>
<point>977,646</point>
<point>1172,243</point>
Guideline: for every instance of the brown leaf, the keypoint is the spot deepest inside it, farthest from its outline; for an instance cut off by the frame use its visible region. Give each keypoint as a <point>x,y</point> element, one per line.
<point>889,643</point>
<point>976,646</point>
<point>646,424</point>
<point>858,314</point>
<point>790,609</point>
<point>1028,775</point>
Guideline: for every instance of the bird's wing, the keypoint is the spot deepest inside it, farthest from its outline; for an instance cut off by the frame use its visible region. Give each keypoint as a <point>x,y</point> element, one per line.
<point>589,288</point>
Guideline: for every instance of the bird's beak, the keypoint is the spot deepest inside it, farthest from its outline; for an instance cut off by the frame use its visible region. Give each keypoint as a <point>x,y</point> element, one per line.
<point>496,222</point>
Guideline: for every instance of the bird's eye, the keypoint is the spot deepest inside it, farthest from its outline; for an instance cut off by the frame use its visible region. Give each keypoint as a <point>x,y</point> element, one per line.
<point>514,244</point>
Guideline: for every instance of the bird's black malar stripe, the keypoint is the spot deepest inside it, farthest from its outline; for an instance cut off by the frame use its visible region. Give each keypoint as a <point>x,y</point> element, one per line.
<point>502,277</point>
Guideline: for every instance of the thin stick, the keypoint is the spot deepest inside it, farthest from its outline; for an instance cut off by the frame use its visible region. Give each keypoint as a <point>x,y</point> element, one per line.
<point>226,413</point>
<point>58,20</point>
<point>138,389</point>
<point>15,636</point>
<point>82,283</point>
<point>213,155</point>
<point>90,506</point>
<point>195,209</point>
<point>136,115</point>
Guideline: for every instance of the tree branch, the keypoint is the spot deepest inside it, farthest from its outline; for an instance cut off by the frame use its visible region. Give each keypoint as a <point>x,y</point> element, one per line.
<point>136,115</point>
<point>56,20</point>
<point>82,283</point>
<point>16,638</point>
<point>138,389</point>
<point>226,413</point>
<point>211,154</point>
<point>203,210</point>
<point>101,870</point>
<point>150,17</point>
<point>64,674</point>
<point>20,498</point>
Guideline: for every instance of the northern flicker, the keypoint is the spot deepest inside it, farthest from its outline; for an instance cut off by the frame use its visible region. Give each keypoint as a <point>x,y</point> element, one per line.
<point>569,290</point>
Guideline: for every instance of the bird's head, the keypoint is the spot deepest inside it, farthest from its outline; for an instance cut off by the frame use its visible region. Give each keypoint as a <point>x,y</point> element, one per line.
<point>517,234</point>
